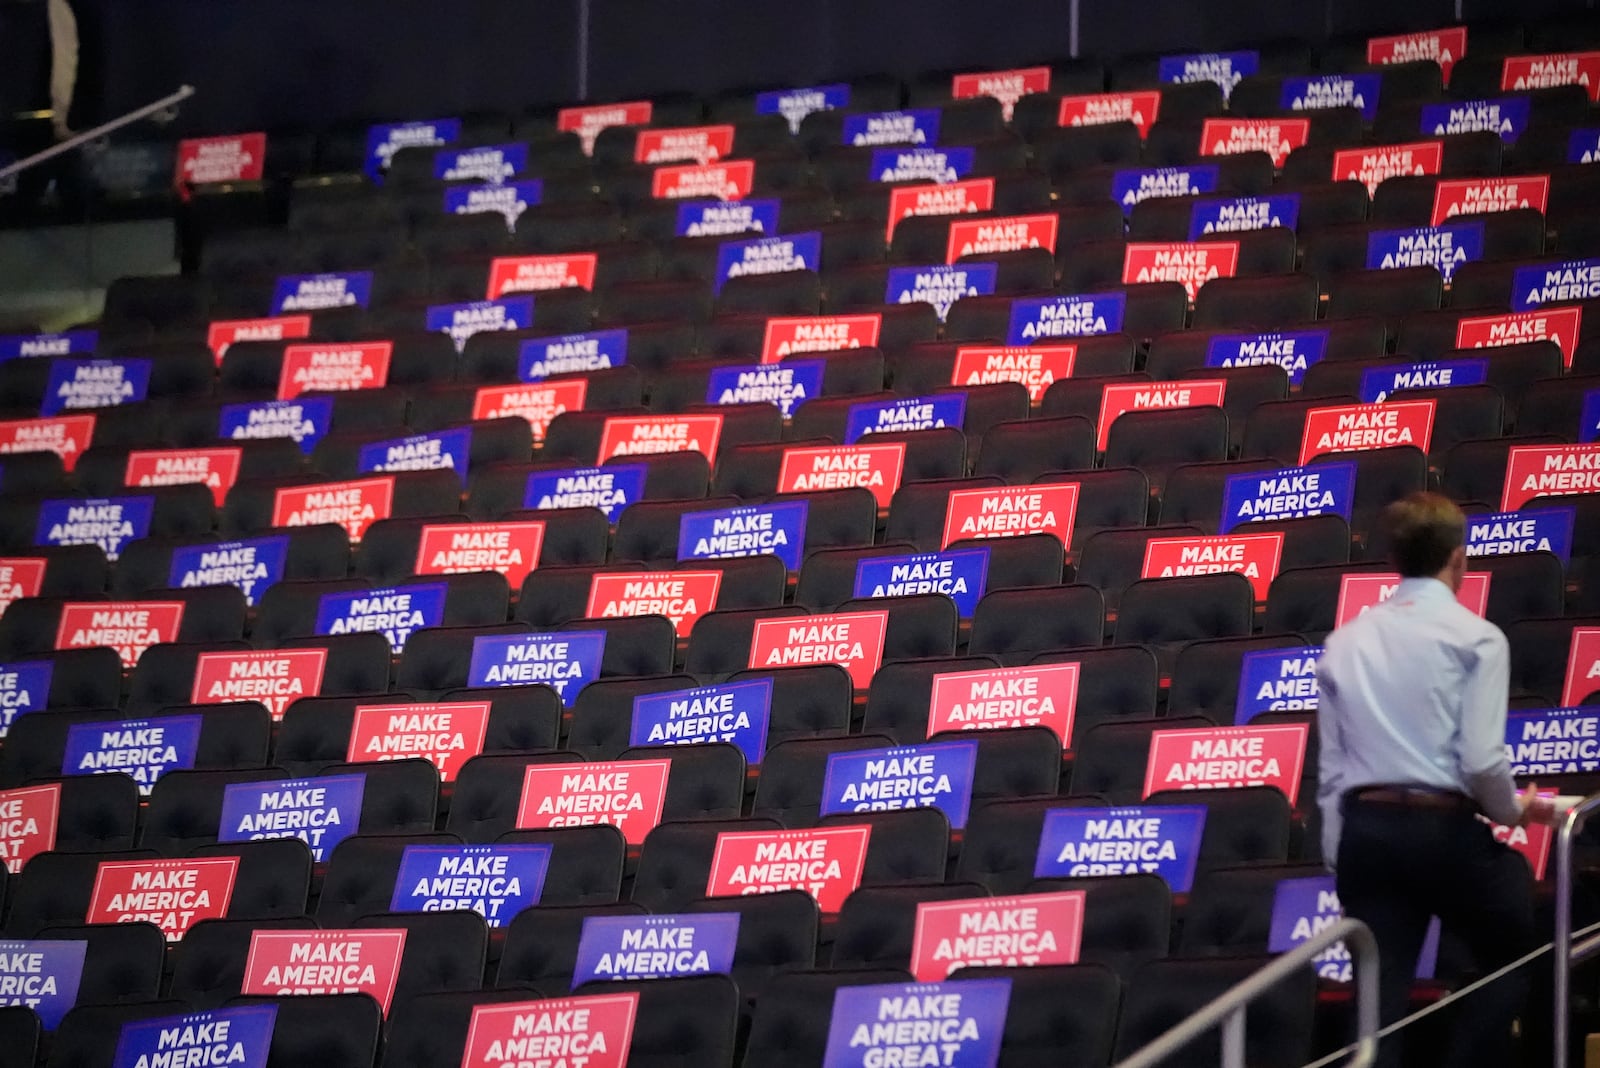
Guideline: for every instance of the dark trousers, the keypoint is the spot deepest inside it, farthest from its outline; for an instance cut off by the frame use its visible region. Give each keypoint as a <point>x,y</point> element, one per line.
<point>1400,865</point>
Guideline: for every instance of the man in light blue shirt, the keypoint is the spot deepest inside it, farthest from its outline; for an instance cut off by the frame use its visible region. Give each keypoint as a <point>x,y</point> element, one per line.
<point>1412,726</point>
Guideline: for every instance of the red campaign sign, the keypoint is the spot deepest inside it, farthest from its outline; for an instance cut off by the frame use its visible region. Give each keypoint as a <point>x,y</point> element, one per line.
<point>1035,367</point>
<point>216,468</point>
<point>1152,396</point>
<point>1220,758</point>
<point>1549,470</point>
<point>530,274</point>
<point>1583,666</point>
<point>853,640</point>
<point>364,961</point>
<point>825,862</point>
<point>20,576</point>
<point>1444,47</point>
<point>1276,137</point>
<point>588,1031</point>
<point>448,735</point>
<point>511,549</point>
<point>875,467</point>
<point>1532,841</point>
<point>1009,511</point>
<point>1012,233</point>
<point>1358,427</point>
<point>129,627</point>
<point>65,435</point>
<point>1371,166</point>
<point>28,823</point>
<point>818,333</point>
<point>641,435</point>
<point>1097,109</point>
<point>587,122</point>
<point>681,596</point>
<point>231,158</point>
<point>317,368</point>
<point>1032,930</point>
<point>1194,263</point>
<point>627,794</point>
<point>1255,556</point>
<point>354,505</point>
<point>683,144</point>
<point>1560,325</point>
<point>538,403</point>
<point>172,894</point>
<point>1557,68</point>
<point>1006,86</point>
<point>1357,593</point>
<point>1045,695</point>
<point>729,179</point>
<point>951,198</point>
<point>277,678</point>
<point>1474,196</point>
<point>224,332</point>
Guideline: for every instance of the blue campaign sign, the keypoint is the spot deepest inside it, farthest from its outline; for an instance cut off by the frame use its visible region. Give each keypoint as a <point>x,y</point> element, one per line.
<point>320,812</point>
<point>238,1037</point>
<point>960,574</point>
<point>1505,115</point>
<point>931,775</point>
<point>144,749</point>
<point>712,218</point>
<point>777,529</point>
<point>1223,68</point>
<point>655,947</point>
<point>66,343</point>
<point>1444,247</point>
<point>1164,839</point>
<point>305,420</point>
<point>92,383</point>
<point>904,413</point>
<point>109,522</point>
<point>940,284</point>
<point>510,199</point>
<point>957,1024</point>
<point>1553,741</point>
<point>916,126</point>
<point>610,489</point>
<point>1277,680</point>
<point>1233,214</point>
<point>597,350</point>
<point>922,164</point>
<point>314,292</point>
<point>485,163</point>
<point>1359,91</point>
<point>736,712</point>
<point>1589,419</point>
<point>1583,146</point>
<point>1555,283</point>
<point>24,688</point>
<point>442,450</point>
<point>1531,530</point>
<point>43,975</point>
<point>795,104</point>
<point>1129,187</point>
<point>461,321</point>
<point>1378,383</point>
<point>1306,906</point>
<point>767,255</point>
<point>788,384</point>
<point>566,662</point>
<point>1293,350</point>
<point>385,140</point>
<point>396,612</point>
<point>1288,493</point>
<point>1082,315</point>
<point>251,565</point>
<point>495,881</point>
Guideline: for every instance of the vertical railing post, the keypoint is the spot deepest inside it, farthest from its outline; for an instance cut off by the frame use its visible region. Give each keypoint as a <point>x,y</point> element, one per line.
<point>1233,1039</point>
<point>1561,986</point>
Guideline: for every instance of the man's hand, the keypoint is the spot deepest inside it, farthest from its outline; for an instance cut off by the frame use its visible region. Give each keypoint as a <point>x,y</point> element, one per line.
<point>1536,809</point>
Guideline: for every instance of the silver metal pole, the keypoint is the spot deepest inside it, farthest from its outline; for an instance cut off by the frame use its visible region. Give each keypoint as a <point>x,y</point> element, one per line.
<point>583,49</point>
<point>74,141</point>
<point>1561,988</point>
<point>1233,1039</point>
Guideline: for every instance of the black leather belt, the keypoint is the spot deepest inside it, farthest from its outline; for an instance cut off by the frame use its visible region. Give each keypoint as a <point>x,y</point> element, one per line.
<point>1415,797</point>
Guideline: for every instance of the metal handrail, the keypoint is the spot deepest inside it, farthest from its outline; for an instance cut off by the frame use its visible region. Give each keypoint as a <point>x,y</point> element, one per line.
<point>1228,1010</point>
<point>183,93</point>
<point>1566,954</point>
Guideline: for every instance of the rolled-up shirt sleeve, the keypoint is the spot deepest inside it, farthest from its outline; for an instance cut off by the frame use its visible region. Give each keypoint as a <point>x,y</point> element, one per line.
<point>1481,745</point>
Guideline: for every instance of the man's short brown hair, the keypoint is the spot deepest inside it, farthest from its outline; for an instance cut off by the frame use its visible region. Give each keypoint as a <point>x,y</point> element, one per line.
<point>1424,529</point>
